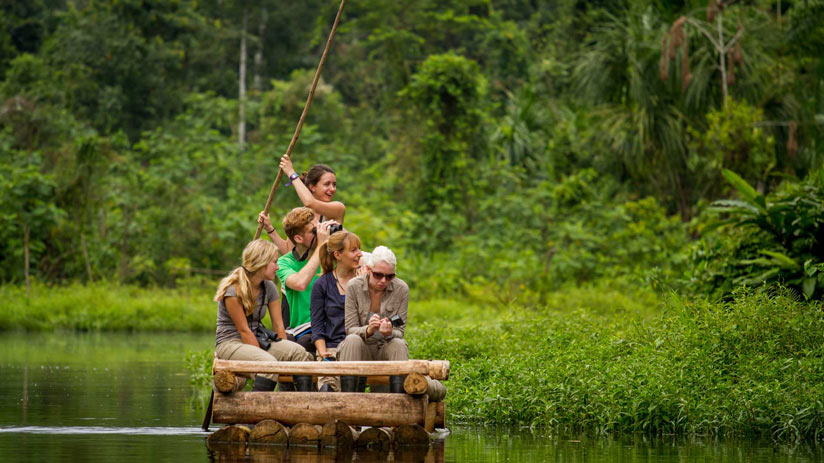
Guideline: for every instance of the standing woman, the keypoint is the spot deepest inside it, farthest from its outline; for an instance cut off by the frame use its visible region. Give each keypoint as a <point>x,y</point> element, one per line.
<point>316,188</point>
<point>243,298</point>
<point>340,259</point>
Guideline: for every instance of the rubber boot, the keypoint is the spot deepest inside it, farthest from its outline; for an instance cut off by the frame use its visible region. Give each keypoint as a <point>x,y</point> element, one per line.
<point>286,387</point>
<point>303,383</point>
<point>396,384</point>
<point>348,383</point>
<point>263,384</point>
<point>362,384</point>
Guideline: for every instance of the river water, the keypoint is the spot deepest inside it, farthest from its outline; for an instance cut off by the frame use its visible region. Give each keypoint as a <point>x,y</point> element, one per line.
<point>68,397</point>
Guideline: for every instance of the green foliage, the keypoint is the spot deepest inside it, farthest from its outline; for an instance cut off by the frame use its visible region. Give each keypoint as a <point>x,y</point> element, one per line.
<point>778,237</point>
<point>744,368</point>
<point>732,140</point>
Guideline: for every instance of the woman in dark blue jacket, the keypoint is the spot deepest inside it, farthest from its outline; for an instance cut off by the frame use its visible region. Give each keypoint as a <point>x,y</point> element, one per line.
<point>340,259</point>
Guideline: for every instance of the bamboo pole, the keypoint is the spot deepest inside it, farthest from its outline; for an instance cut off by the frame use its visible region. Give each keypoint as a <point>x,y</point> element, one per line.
<point>296,135</point>
<point>373,409</point>
<point>436,369</point>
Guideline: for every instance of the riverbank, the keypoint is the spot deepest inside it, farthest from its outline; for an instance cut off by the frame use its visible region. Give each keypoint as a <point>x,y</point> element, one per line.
<point>602,359</point>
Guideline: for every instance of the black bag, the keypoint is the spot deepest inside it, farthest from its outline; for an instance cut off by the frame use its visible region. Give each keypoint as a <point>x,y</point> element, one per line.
<point>265,336</point>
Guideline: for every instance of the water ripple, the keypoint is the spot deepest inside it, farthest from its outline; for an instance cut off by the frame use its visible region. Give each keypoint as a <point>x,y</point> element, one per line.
<point>145,431</point>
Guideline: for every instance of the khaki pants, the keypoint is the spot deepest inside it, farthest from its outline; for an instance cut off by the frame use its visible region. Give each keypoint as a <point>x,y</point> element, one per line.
<point>332,381</point>
<point>281,351</point>
<point>354,349</point>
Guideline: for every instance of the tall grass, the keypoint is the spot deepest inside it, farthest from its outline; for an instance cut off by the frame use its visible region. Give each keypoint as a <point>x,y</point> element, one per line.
<point>107,307</point>
<point>750,367</point>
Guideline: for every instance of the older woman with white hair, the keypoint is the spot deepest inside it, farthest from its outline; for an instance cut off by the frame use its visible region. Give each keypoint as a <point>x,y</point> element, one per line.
<point>375,318</point>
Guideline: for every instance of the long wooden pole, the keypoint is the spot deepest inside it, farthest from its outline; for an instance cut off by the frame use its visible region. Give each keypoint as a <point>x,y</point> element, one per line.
<point>296,135</point>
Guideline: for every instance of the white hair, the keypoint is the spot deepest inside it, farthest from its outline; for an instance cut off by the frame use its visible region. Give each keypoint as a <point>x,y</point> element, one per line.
<point>381,254</point>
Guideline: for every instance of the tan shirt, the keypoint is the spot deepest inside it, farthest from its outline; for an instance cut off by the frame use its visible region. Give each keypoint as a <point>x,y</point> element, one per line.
<point>395,301</point>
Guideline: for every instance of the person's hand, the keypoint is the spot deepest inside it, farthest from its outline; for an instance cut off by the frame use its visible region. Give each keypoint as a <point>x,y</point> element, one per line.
<point>264,219</point>
<point>360,270</point>
<point>325,355</point>
<point>374,324</point>
<point>323,231</point>
<point>386,327</point>
<point>286,165</point>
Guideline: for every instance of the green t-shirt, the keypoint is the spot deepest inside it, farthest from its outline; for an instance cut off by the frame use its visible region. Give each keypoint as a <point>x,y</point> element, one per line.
<point>298,300</point>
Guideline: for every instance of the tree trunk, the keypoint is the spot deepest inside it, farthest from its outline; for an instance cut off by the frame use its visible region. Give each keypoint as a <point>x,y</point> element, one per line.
<point>26,258</point>
<point>417,384</point>
<point>305,434</point>
<point>85,251</point>
<point>269,432</point>
<point>241,100</point>
<point>257,83</point>
<point>316,408</point>
<point>722,55</point>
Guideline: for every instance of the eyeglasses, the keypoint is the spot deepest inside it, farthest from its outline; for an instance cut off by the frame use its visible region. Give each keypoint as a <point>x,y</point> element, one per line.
<point>381,276</point>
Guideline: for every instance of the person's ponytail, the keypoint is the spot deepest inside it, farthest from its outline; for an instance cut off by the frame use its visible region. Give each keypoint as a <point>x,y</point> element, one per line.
<point>327,260</point>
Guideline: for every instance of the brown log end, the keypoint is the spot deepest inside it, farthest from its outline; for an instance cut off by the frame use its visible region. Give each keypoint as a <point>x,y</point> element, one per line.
<point>415,383</point>
<point>375,439</point>
<point>230,434</point>
<point>411,434</point>
<point>435,390</point>
<point>305,434</point>
<point>439,369</point>
<point>269,432</point>
<point>338,434</point>
<point>225,381</point>
<point>440,416</point>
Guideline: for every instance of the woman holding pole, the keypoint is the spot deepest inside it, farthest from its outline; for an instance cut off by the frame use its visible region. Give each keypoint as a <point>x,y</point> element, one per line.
<point>316,189</point>
<point>243,298</point>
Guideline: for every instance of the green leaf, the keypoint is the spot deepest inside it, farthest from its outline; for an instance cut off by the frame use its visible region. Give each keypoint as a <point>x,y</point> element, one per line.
<point>781,259</point>
<point>808,287</point>
<point>746,190</point>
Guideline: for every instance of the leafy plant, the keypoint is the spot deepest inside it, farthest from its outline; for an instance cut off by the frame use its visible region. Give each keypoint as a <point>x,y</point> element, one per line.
<point>787,233</point>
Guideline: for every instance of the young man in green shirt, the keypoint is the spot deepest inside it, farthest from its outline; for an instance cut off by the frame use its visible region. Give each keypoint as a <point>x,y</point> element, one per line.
<point>299,269</point>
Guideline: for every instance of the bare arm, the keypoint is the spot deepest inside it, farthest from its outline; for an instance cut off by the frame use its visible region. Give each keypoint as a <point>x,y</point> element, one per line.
<point>300,281</point>
<point>239,319</point>
<point>334,210</point>
<point>284,246</point>
<point>277,318</point>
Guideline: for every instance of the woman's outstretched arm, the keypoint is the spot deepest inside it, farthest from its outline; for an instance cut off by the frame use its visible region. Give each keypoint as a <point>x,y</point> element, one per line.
<point>333,210</point>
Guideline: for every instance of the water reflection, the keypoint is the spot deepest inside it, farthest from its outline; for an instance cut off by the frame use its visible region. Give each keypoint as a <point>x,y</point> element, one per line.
<point>67,397</point>
<point>225,452</point>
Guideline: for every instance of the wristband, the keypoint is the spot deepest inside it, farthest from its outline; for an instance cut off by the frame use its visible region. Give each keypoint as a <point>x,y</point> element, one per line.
<point>292,178</point>
<point>270,231</point>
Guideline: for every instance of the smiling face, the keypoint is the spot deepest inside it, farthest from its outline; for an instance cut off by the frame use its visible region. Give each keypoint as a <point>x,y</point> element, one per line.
<point>326,187</point>
<point>349,257</point>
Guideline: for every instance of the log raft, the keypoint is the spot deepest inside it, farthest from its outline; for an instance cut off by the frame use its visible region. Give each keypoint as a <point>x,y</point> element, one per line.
<point>325,419</point>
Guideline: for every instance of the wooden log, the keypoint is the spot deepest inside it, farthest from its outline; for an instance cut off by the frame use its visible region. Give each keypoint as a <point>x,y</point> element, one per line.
<point>230,434</point>
<point>411,434</point>
<point>269,432</point>
<point>440,417</point>
<point>338,434</point>
<point>228,382</point>
<point>431,414</point>
<point>320,407</point>
<point>305,434</point>
<point>264,453</point>
<point>416,383</point>
<point>375,438</point>
<point>436,369</point>
<point>227,451</point>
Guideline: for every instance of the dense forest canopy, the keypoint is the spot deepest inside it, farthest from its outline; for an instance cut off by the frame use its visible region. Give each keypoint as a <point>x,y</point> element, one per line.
<point>508,143</point>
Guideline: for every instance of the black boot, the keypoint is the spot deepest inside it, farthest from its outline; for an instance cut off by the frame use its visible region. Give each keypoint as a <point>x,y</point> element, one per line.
<point>286,387</point>
<point>263,384</point>
<point>396,384</point>
<point>362,384</point>
<point>303,383</point>
<point>348,383</point>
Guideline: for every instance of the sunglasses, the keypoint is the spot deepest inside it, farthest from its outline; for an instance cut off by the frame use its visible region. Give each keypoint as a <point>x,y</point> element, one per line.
<point>381,276</point>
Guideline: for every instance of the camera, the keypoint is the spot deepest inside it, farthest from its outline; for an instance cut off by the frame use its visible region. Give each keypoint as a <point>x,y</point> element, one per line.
<point>396,321</point>
<point>334,228</point>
